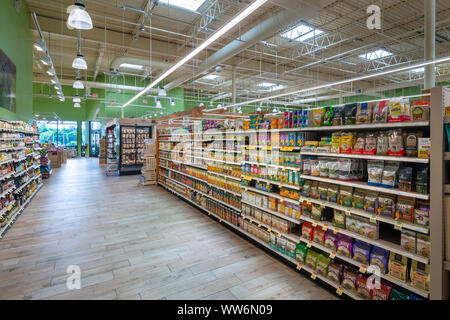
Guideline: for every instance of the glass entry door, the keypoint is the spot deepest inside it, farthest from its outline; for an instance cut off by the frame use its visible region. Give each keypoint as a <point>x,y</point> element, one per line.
<point>95,133</point>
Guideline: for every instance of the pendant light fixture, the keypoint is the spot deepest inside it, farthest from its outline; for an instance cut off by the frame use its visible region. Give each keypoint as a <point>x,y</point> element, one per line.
<point>77,99</point>
<point>77,105</point>
<point>172,102</point>
<point>79,62</point>
<point>79,18</point>
<point>51,72</point>
<point>46,61</point>
<point>40,46</point>
<point>78,84</point>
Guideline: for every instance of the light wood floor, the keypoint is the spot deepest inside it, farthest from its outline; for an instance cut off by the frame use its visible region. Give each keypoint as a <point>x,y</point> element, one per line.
<point>133,242</point>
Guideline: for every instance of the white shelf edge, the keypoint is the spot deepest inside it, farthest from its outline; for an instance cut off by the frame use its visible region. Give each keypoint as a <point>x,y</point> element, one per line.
<point>364,185</point>
<point>362,156</point>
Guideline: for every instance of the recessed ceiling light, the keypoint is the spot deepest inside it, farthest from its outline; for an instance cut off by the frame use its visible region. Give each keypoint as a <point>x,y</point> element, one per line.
<point>131,66</point>
<point>266,84</point>
<point>192,5</point>
<point>211,77</point>
<point>376,54</point>
<point>418,70</point>
<point>301,32</point>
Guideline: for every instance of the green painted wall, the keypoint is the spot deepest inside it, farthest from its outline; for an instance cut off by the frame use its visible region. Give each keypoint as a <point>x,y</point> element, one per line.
<point>16,42</point>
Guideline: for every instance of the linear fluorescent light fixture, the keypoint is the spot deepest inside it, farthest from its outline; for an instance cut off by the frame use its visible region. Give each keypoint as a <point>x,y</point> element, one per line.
<point>131,66</point>
<point>338,83</point>
<point>375,55</point>
<point>211,77</point>
<point>266,84</point>
<point>191,5</point>
<point>241,16</point>
<point>302,32</point>
<point>418,70</point>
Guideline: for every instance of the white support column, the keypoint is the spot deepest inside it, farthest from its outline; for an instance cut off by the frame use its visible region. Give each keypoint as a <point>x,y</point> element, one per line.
<point>430,43</point>
<point>234,87</point>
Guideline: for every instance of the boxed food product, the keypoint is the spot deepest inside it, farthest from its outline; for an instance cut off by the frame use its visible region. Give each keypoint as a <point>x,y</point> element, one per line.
<point>398,266</point>
<point>424,147</point>
<point>420,275</point>
<point>408,240</point>
<point>423,245</point>
<point>420,111</point>
<point>411,139</point>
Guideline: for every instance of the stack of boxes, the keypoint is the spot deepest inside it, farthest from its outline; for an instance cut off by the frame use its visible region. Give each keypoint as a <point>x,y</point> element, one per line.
<point>102,151</point>
<point>148,171</point>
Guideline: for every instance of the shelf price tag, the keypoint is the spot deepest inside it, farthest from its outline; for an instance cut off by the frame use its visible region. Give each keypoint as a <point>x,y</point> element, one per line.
<point>9,208</point>
<point>299,266</point>
<point>373,219</point>
<point>314,275</point>
<point>363,268</point>
<point>325,227</point>
<point>259,225</point>
<point>398,225</point>
<point>220,220</point>
<point>333,254</point>
<point>309,244</point>
<point>340,290</point>
<point>335,230</point>
<point>314,224</point>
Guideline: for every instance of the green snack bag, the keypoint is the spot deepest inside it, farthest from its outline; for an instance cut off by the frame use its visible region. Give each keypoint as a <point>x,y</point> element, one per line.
<point>328,116</point>
<point>300,252</point>
<point>311,259</point>
<point>339,219</point>
<point>322,265</point>
<point>358,199</point>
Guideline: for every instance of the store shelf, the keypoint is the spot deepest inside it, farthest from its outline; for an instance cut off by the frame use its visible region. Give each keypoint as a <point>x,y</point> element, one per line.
<point>376,242</point>
<point>19,211</point>
<point>6,192</point>
<point>270,194</point>
<point>332,253</point>
<point>12,139</point>
<point>18,174</point>
<point>12,149</point>
<point>272,166</point>
<point>275,213</point>
<point>224,189</point>
<point>367,157</point>
<point>364,185</point>
<point>362,213</point>
<point>183,173</point>
<point>289,236</point>
<point>280,184</point>
<point>6,176</point>
<point>264,244</point>
<point>21,159</point>
<point>26,183</point>
<point>8,207</point>
<point>6,161</point>
<point>224,176</point>
<point>447,265</point>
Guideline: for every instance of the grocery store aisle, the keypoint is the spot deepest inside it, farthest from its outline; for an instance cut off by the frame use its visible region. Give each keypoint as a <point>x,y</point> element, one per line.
<point>133,242</point>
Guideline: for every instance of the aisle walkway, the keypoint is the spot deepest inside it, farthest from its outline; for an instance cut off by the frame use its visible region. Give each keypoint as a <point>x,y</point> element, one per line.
<point>133,242</point>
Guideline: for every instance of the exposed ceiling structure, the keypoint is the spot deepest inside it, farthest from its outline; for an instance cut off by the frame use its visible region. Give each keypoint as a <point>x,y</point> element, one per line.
<point>283,45</point>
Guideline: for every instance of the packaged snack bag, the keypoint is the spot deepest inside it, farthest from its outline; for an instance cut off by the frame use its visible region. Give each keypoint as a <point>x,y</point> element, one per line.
<point>300,252</point>
<point>318,116</point>
<point>361,251</point>
<point>335,271</point>
<point>307,230</point>
<point>345,245</point>
<point>408,240</point>
<point>364,113</point>
<point>379,257</point>
<point>422,213</point>
<point>339,219</point>
<point>396,143</point>
<point>328,116</point>
<point>338,116</point>
<point>370,144</point>
<point>383,292</point>
<point>362,290</point>
<point>350,113</point>
<point>322,264</point>
<point>319,235</point>
<point>331,240</point>
<point>311,259</point>
<point>349,278</point>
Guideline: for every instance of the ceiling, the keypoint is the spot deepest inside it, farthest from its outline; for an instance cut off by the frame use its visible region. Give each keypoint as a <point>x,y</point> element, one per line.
<point>168,33</point>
